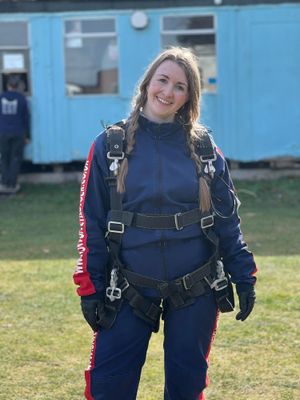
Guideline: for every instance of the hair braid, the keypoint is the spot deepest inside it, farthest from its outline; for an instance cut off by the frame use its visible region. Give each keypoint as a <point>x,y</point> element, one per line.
<point>130,142</point>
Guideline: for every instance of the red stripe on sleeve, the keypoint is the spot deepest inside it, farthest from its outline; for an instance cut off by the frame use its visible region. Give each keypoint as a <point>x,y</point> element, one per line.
<point>81,276</point>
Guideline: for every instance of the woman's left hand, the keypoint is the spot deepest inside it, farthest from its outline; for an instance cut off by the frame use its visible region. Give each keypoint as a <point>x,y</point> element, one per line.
<point>247,298</point>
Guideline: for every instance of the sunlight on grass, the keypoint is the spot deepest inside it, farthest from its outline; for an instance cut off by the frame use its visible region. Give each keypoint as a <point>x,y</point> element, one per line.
<point>45,343</point>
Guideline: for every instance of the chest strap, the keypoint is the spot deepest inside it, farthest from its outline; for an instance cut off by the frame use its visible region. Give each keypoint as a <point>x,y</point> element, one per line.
<point>120,219</point>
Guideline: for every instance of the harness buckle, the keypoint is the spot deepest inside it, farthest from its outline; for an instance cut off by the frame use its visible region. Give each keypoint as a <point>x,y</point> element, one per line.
<point>219,284</point>
<point>115,227</point>
<point>177,225</point>
<point>207,222</point>
<point>113,293</point>
<point>187,281</point>
<point>111,157</point>
<point>124,284</point>
<point>208,157</point>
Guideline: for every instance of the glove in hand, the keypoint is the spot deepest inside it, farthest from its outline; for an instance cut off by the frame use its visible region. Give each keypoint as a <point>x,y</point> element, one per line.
<point>246,294</point>
<point>92,309</point>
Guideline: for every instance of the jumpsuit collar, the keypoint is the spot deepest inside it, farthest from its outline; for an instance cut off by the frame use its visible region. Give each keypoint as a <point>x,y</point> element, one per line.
<point>160,130</point>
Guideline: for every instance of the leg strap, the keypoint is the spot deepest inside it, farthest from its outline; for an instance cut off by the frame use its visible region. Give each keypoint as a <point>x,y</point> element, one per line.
<point>179,291</point>
<point>142,306</point>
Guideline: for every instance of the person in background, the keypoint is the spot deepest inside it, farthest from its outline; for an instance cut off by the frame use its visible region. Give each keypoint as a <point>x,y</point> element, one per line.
<point>14,133</point>
<point>159,235</point>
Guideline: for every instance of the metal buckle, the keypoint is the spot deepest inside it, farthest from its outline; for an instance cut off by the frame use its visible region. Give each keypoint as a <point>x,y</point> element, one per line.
<point>207,222</point>
<point>111,230</point>
<point>186,278</point>
<point>115,157</point>
<point>208,158</point>
<point>219,284</point>
<point>179,228</point>
<point>124,284</point>
<point>113,293</point>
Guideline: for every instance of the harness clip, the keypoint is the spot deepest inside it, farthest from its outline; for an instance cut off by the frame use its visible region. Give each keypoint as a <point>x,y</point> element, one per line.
<point>178,226</point>
<point>115,227</point>
<point>207,222</point>
<point>219,284</point>
<point>187,281</point>
<point>112,291</point>
<point>221,281</point>
<point>111,157</point>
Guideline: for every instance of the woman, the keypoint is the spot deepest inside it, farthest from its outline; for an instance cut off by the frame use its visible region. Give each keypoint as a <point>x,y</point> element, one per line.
<point>171,214</point>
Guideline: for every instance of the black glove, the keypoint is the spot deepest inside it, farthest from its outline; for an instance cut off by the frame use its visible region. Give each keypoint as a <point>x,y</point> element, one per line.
<point>92,310</point>
<point>246,294</point>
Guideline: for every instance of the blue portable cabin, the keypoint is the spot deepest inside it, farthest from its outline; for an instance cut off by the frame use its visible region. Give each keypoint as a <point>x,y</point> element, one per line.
<point>81,60</point>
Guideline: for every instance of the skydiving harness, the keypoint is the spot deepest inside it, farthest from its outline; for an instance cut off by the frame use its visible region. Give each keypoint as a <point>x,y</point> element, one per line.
<point>181,291</point>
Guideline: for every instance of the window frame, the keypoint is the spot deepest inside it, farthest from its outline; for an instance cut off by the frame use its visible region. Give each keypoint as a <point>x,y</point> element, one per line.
<point>192,32</point>
<point>86,36</point>
<point>14,49</point>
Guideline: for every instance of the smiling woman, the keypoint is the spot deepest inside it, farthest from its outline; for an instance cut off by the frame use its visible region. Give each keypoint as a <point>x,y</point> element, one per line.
<point>158,217</point>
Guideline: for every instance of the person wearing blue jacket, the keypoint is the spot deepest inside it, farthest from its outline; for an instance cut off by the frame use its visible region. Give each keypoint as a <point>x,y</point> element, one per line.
<point>14,131</point>
<point>165,239</point>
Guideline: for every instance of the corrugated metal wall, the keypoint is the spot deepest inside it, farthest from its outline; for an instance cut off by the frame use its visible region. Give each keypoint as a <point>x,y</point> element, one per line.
<point>255,113</point>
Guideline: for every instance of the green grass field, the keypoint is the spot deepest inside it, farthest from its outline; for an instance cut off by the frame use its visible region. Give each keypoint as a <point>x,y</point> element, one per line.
<point>45,344</point>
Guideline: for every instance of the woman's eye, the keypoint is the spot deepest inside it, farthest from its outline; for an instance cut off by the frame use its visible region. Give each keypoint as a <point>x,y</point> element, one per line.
<point>162,80</point>
<point>179,87</point>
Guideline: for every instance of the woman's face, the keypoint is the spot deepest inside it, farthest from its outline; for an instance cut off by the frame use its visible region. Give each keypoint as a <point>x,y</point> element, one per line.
<point>167,92</point>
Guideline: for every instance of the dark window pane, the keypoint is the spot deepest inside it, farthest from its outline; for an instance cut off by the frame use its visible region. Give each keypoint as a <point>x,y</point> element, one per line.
<point>90,26</point>
<point>188,40</point>
<point>199,22</point>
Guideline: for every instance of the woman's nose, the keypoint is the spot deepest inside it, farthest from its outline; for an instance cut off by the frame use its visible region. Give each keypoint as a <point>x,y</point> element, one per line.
<point>168,91</point>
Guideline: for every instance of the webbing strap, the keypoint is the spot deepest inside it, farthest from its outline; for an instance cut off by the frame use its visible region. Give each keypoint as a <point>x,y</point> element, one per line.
<point>162,221</point>
<point>115,152</point>
<point>143,307</point>
<point>184,283</point>
<point>205,147</point>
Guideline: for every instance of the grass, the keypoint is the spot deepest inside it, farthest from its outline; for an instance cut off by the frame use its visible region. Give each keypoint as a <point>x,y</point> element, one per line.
<point>45,344</point>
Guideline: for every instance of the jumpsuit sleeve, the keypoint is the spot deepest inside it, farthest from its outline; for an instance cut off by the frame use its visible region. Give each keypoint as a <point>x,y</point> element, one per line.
<point>238,260</point>
<point>93,208</point>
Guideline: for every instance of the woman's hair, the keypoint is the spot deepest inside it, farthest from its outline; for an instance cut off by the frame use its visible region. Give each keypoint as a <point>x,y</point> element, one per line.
<point>187,115</point>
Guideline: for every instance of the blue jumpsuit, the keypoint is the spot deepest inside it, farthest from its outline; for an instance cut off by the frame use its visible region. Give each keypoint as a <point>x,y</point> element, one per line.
<point>161,179</point>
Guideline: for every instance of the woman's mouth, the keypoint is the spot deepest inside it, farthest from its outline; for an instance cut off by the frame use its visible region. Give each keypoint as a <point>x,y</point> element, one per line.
<point>163,101</point>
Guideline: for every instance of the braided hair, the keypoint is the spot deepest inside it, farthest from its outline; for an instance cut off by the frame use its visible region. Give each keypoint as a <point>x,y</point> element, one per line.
<point>187,115</point>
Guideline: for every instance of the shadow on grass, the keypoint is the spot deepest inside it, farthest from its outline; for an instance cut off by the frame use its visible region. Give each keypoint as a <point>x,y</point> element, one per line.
<point>41,222</point>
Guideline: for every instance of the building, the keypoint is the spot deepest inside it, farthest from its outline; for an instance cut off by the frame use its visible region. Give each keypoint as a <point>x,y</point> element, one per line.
<point>80,61</point>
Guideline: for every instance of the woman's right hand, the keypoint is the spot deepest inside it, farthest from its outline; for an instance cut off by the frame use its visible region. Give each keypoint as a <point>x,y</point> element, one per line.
<point>92,310</point>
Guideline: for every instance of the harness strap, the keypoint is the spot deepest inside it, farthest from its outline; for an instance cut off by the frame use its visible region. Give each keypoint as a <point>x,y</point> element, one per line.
<point>142,306</point>
<point>179,290</point>
<point>178,221</point>
<point>186,282</point>
<point>205,147</point>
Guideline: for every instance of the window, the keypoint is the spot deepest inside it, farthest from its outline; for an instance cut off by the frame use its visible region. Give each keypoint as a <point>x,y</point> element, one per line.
<point>91,56</point>
<point>14,53</point>
<point>197,33</point>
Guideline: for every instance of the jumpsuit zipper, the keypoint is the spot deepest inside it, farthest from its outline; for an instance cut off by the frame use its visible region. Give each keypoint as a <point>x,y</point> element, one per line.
<point>162,243</point>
